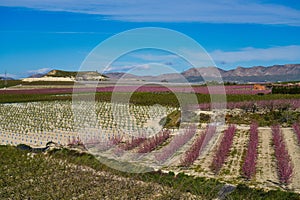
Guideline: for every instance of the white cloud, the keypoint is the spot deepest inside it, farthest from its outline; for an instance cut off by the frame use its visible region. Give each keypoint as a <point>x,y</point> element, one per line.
<point>14,76</point>
<point>143,69</point>
<point>39,71</point>
<point>287,53</point>
<point>130,67</point>
<point>119,68</point>
<point>213,11</point>
<point>153,57</point>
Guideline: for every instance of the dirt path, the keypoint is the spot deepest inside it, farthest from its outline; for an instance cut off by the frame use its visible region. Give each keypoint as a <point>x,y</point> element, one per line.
<point>266,166</point>
<point>294,152</point>
<point>205,159</point>
<point>178,155</point>
<point>232,167</point>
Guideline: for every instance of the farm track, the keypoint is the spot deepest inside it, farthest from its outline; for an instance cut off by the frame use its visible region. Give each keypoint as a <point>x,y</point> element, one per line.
<point>235,159</point>
<point>206,158</point>
<point>266,166</point>
<point>294,152</point>
<point>176,159</point>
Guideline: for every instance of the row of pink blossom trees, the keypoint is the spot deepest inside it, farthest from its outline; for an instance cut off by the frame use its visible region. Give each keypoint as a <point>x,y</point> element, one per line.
<point>284,165</point>
<point>223,149</point>
<point>133,143</point>
<point>177,142</point>
<point>296,127</point>
<point>234,89</point>
<point>196,148</point>
<point>252,106</point>
<point>249,165</point>
<point>151,143</point>
<point>103,144</point>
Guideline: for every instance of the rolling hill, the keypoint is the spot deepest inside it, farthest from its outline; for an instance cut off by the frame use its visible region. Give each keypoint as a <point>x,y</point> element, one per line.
<point>60,75</point>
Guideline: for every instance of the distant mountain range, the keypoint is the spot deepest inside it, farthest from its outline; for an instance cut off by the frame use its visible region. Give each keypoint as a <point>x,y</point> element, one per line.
<point>275,73</point>
<point>36,75</point>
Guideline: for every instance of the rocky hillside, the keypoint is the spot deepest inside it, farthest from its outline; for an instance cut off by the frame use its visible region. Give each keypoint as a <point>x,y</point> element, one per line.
<point>82,75</point>
<point>289,72</point>
<point>274,70</point>
<point>68,75</point>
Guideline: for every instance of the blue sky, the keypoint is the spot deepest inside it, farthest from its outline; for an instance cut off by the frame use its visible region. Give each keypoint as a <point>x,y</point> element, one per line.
<point>38,35</point>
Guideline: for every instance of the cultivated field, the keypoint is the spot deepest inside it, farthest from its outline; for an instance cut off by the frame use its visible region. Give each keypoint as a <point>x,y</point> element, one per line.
<point>264,157</point>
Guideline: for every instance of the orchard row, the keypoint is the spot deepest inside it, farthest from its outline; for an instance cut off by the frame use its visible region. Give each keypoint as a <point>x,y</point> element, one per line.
<point>37,120</point>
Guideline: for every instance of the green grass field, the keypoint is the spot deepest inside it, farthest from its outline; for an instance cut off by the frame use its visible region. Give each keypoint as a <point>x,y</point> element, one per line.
<point>141,98</point>
<point>9,83</point>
